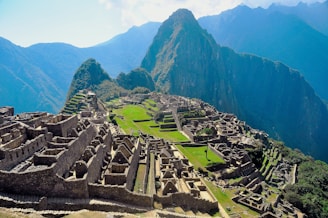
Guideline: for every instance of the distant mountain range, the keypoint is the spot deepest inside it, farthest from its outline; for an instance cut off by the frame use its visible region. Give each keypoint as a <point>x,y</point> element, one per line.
<point>37,78</point>
<point>296,36</point>
<point>278,34</point>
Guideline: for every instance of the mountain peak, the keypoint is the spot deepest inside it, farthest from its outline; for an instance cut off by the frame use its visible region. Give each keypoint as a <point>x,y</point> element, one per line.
<point>181,17</point>
<point>179,34</point>
<point>88,75</point>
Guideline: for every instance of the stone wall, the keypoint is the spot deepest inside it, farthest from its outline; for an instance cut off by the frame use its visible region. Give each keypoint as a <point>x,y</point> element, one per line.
<point>187,131</point>
<point>120,194</point>
<point>168,126</point>
<point>47,157</point>
<point>6,129</point>
<point>14,156</point>
<point>187,202</point>
<point>62,125</point>
<point>96,162</point>
<point>75,150</point>
<point>32,133</point>
<point>145,180</point>
<point>55,204</point>
<point>11,182</point>
<point>133,168</point>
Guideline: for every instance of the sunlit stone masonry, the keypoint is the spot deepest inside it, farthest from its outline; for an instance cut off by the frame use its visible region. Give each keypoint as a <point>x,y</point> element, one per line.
<point>72,162</point>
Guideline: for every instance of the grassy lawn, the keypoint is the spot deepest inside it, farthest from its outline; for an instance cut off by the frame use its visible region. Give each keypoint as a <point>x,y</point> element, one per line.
<point>137,112</point>
<point>197,156</point>
<point>149,103</point>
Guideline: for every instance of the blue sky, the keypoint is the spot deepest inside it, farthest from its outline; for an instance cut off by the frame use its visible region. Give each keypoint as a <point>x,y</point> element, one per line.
<point>85,23</point>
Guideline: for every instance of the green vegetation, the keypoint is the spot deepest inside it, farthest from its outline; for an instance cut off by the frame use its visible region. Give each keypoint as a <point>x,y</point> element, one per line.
<point>74,104</point>
<point>128,113</point>
<point>109,90</point>
<point>193,114</point>
<point>198,157</point>
<point>91,76</point>
<point>136,78</point>
<point>232,181</point>
<point>150,105</point>
<point>140,90</point>
<point>224,197</point>
<point>310,193</point>
<point>205,131</point>
<point>88,75</point>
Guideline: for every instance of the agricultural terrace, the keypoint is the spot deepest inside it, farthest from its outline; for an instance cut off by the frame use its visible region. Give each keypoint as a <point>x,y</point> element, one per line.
<point>128,114</point>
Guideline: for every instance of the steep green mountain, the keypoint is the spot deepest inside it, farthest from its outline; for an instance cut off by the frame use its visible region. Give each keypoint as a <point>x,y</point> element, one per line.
<point>185,60</point>
<point>136,78</point>
<point>275,35</point>
<point>90,75</point>
<point>87,76</point>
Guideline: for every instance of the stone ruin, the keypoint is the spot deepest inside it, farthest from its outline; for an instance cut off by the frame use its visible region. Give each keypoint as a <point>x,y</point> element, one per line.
<point>63,162</point>
<point>230,139</point>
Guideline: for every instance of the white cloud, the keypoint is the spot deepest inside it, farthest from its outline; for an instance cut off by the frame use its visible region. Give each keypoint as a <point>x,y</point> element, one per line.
<point>267,3</point>
<point>137,12</point>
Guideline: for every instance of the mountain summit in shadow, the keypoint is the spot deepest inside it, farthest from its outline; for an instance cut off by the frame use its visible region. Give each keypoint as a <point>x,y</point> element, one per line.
<point>185,60</point>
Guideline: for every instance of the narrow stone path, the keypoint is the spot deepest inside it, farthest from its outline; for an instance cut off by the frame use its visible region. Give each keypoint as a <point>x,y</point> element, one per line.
<point>294,174</point>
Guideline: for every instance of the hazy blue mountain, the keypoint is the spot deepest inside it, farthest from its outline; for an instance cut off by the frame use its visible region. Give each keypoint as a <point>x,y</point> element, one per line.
<point>277,36</point>
<point>44,71</point>
<point>57,60</point>
<point>23,84</point>
<point>268,95</point>
<point>124,52</point>
<point>316,14</point>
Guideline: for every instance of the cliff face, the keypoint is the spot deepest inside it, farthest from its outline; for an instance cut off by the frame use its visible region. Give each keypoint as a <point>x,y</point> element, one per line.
<point>281,36</point>
<point>185,60</point>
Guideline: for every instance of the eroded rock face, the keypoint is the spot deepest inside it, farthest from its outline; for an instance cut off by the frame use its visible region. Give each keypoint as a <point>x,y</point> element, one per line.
<point>185,60</point>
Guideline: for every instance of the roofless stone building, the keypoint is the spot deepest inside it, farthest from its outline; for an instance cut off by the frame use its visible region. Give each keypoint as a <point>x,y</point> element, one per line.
<point>71,162</point>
